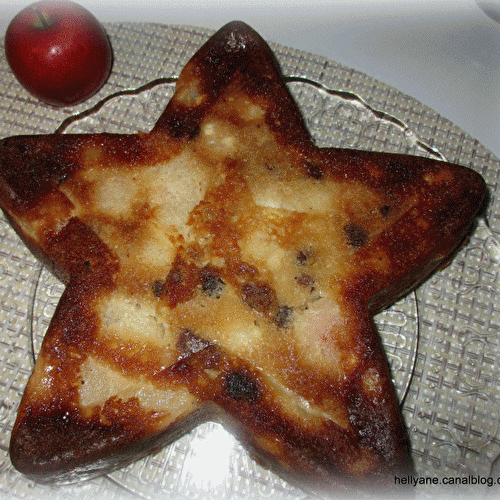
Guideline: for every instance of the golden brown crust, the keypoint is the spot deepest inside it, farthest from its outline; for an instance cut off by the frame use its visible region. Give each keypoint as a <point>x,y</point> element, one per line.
<point>222,266</point>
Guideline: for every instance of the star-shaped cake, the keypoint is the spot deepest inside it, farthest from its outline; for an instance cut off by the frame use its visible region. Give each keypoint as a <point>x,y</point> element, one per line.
<point>223,267</point>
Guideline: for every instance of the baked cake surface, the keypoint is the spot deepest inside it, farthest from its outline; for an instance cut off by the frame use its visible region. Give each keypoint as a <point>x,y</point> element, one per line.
<point>222,266</point>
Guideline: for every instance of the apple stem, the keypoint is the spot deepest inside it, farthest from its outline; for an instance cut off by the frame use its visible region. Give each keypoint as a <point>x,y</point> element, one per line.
<point>43,20</point>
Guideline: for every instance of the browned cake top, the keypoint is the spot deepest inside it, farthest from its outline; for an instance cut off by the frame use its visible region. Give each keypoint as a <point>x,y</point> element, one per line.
<point>222,263</point>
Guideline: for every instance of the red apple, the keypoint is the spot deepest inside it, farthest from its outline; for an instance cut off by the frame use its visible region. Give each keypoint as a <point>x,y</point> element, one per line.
<point>58,51</point>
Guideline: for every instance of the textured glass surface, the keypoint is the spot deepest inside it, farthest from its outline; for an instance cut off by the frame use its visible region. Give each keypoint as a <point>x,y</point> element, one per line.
<point>443,341</point>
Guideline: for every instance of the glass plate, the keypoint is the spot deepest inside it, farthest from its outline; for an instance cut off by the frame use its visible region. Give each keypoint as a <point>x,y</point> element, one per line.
<point>443,341</point>
<point>189,468</point>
